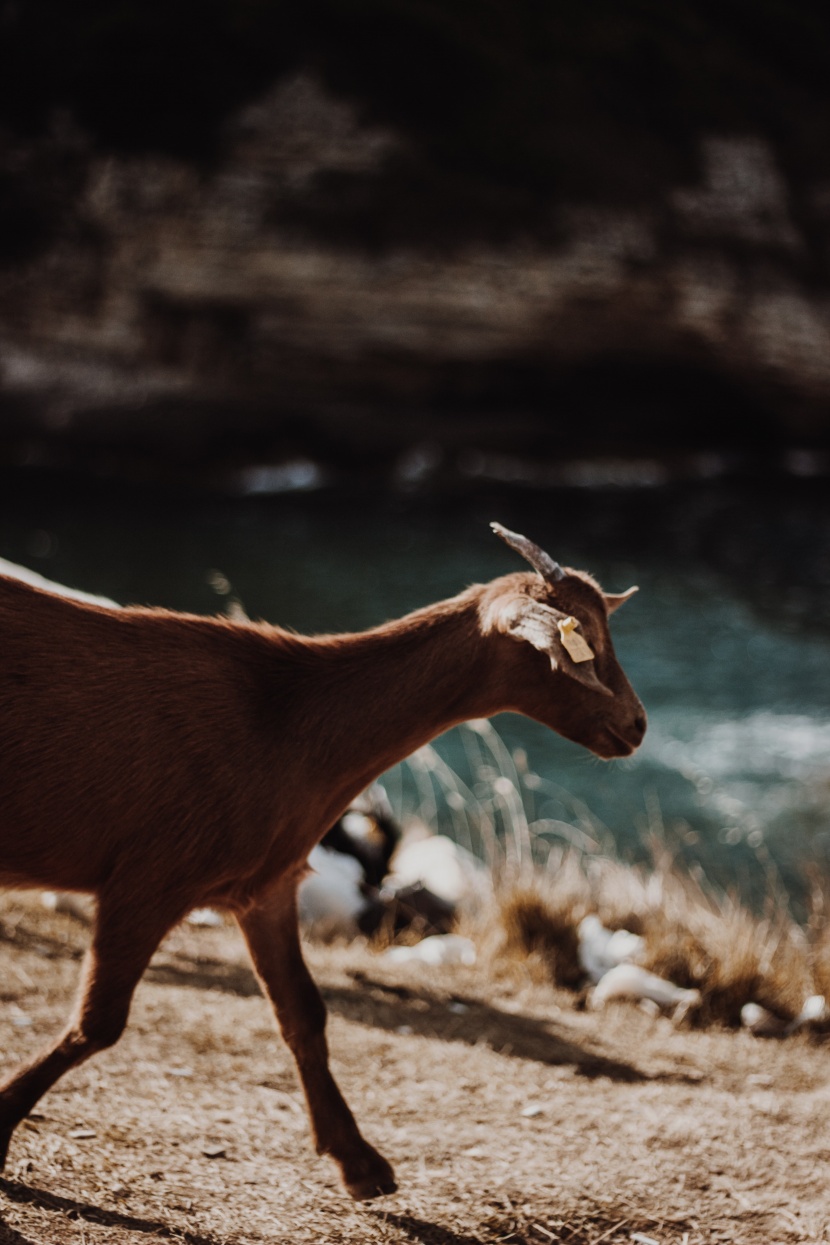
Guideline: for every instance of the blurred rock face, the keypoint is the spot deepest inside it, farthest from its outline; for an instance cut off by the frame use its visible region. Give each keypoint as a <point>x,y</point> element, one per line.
<point>293,300</point>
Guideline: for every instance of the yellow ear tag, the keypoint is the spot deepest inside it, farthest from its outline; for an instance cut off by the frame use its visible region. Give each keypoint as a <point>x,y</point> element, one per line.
<point>577,648</point>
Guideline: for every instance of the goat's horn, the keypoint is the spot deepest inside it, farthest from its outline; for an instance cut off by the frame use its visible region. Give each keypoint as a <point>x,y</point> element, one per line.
<point>538,559</point>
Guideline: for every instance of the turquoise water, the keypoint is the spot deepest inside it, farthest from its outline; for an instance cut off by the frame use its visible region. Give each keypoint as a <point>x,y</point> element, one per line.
<point>727,641</point>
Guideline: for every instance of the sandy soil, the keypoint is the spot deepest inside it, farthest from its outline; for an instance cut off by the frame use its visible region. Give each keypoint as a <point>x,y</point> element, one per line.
<point>509,1115</point>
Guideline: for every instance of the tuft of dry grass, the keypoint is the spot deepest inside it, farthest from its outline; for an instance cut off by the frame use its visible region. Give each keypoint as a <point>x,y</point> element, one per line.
<point>548,875</point>
<point>534,927</point>
<point>820,963</point>
<point>733,958</point>
<point>819,932</point>
<point>691,938</point>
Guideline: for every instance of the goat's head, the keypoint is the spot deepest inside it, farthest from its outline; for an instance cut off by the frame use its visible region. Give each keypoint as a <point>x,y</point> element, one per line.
<point>560,667</point>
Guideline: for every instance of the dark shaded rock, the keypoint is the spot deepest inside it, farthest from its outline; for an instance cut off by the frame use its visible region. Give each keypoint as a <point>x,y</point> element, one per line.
<point>540,230</point>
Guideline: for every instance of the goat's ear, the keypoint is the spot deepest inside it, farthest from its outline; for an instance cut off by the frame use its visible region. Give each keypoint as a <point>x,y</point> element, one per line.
<point>613,600</point>
<point>538,624</point>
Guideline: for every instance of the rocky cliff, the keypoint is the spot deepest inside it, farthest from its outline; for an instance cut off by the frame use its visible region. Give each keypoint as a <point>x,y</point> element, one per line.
<point>334,281</point>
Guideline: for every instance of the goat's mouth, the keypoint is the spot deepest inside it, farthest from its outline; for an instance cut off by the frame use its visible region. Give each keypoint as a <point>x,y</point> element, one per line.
<point>614,746</point>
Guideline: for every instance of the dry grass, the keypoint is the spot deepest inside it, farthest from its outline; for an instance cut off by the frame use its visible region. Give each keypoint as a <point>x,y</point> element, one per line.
<point>721,949</point>
<point>549,875</point>
<point>509,1115</point>
<point>819,932</point>
<point>820,962</point>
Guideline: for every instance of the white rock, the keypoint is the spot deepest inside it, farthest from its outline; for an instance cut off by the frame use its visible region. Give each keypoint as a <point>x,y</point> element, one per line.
<point>602,949</point>
<point>440,949</point>
<point>629,981</point>
<point>815,1008</point>
<point>761,1022</point>
<point>764,1023</point>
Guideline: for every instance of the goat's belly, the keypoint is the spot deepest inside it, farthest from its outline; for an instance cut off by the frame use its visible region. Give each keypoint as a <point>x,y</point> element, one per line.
<point>46,860</point>
<point>38,880</point>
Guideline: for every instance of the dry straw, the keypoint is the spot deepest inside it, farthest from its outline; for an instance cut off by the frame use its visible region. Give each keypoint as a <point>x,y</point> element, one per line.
<point>548,874</point>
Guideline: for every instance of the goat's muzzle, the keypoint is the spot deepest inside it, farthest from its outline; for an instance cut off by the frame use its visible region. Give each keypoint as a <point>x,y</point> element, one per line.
<point>619,741</point>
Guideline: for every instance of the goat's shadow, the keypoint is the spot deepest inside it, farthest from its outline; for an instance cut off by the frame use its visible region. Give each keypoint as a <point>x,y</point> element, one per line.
<point>32,1196</point>
<point>417,1009</point>
<point>426,1233</point>
<point>415,1229</point>
<point>372,1002</point>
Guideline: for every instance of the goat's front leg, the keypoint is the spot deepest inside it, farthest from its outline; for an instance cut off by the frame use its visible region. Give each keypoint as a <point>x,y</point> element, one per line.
<point>273,937</point>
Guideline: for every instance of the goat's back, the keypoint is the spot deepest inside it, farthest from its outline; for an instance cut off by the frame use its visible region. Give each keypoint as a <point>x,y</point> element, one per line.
<point>134,739</point>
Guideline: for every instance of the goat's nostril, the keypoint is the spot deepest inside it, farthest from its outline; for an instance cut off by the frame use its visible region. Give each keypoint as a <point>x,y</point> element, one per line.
<point>640,723</point>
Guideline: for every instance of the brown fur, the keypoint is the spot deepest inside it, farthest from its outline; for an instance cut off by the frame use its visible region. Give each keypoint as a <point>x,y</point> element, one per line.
<point>165,761</point>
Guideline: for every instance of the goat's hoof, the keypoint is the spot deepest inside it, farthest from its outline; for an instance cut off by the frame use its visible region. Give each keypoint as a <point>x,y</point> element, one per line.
<point>372,1178</point>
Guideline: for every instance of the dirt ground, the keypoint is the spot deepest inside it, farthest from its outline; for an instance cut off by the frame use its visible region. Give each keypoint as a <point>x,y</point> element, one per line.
<point>509,1115</point>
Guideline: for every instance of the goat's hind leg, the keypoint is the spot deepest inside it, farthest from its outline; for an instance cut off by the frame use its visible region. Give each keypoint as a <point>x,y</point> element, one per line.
<point>273,938</point>
<point>122,945</point>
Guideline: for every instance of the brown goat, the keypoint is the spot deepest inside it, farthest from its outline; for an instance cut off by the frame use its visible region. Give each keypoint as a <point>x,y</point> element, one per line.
<point>165,761</point>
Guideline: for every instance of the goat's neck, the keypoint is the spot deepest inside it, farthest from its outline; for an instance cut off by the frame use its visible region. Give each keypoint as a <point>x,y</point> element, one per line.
<point>387,691</point>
